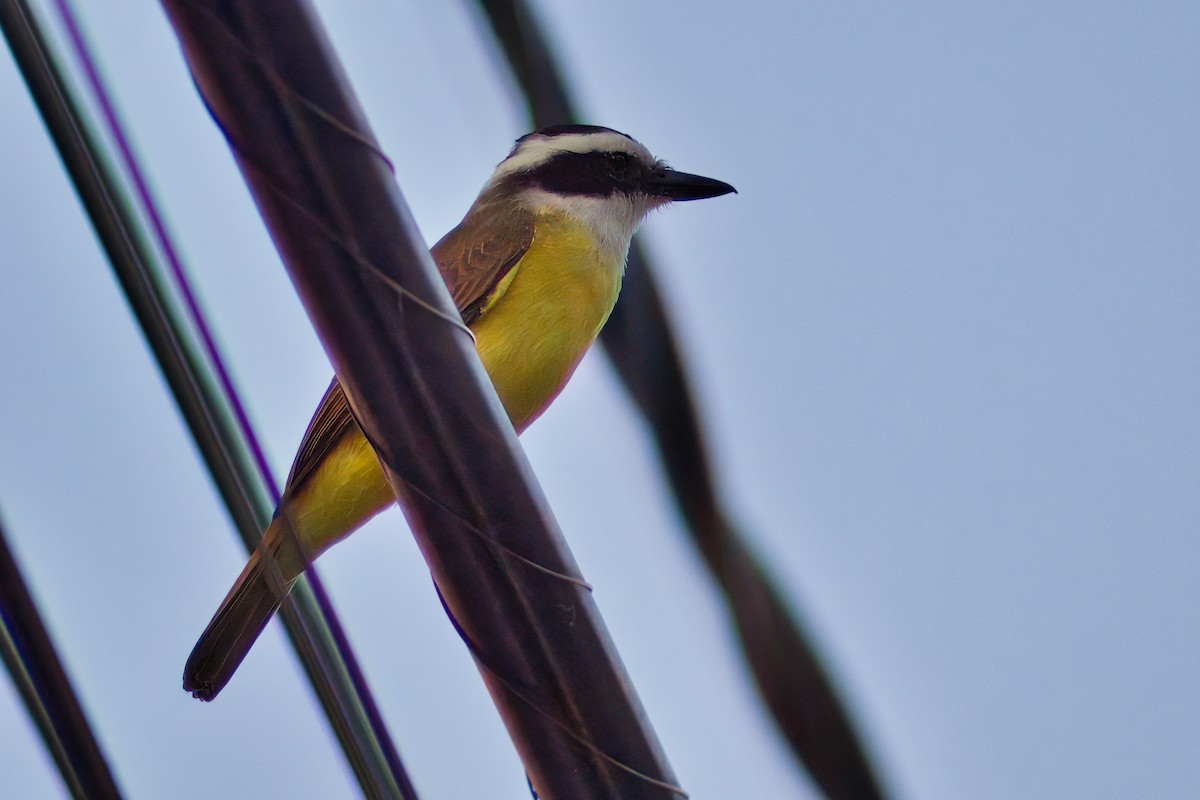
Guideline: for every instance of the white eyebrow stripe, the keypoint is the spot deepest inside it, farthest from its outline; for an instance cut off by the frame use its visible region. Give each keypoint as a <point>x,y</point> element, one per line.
<point>540,149</point>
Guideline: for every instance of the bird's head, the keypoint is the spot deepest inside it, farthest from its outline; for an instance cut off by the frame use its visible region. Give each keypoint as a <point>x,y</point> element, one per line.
<point>601,176</point>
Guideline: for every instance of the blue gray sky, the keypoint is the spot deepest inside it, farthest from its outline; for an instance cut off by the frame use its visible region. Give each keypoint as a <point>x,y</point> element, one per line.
<point>945,340</point>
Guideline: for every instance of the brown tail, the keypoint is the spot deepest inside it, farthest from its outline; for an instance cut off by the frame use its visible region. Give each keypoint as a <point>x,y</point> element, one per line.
<point>254,598</point>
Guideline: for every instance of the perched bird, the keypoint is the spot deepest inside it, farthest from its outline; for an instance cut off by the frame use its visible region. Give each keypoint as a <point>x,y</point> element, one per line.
<point>534,269</point>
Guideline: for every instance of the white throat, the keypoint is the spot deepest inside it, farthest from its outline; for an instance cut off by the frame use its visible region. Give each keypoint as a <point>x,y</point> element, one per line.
<point>612,219</point>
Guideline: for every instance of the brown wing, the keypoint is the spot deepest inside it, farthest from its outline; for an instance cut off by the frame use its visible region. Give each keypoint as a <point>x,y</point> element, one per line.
<point>475,257</point>
<point>474,269</point>
<point>328,425</point>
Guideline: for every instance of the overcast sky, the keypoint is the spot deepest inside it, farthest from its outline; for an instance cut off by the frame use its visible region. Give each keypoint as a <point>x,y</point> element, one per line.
<point>945,340</point>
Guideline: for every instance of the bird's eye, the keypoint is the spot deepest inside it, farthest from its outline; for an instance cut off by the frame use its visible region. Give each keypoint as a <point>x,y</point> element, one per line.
<point>622,165</point>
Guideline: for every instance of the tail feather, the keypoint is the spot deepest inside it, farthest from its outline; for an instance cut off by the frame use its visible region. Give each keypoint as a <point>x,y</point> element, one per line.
<point>246,610</point>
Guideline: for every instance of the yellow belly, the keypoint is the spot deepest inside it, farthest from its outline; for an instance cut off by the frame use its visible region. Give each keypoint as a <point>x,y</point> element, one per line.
<point>533,337</point>
<point>530,341</point>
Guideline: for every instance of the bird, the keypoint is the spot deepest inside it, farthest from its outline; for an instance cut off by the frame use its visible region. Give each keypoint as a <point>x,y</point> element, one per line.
<point>534,269</point>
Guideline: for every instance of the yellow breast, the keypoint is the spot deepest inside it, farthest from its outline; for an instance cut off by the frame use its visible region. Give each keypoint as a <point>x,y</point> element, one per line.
<point>559,296</point>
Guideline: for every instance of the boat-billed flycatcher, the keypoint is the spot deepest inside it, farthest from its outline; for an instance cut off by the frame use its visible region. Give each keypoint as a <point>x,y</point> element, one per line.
<point>534,268</point>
